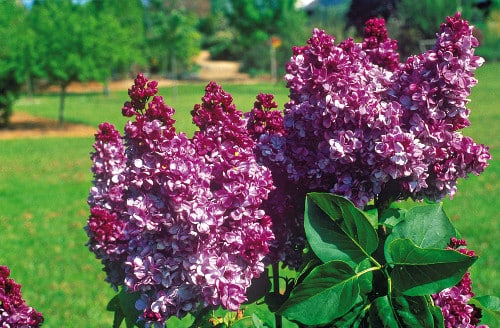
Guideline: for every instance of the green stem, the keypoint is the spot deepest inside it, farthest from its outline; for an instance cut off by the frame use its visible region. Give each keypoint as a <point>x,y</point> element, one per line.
<point>369,269</point>
<point>276,288</point>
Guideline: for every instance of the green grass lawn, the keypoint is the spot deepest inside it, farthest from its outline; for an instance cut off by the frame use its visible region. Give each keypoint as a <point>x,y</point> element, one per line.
<point>44,184</point>
<point>95,108</point>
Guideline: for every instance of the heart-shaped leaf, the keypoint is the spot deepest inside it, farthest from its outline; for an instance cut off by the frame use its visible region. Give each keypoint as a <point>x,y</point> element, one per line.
<point>337,230</point>
<point>352,319</point>
<point>416,311</point>
<point>366,279</point>
<point>427,226</point>
<point>123,305</point>
<point>382,313</point>
<point>392,216</point>
<point>418,271</point>
<point>405,311</point>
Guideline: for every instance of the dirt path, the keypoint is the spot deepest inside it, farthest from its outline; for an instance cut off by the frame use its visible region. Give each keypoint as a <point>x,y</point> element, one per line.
<point>27,126</point>
<point>24,125</point>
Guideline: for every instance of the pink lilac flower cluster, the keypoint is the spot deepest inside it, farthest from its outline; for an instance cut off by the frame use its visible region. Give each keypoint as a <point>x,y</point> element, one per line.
<point>453,301</point>
<point>362,125</point>
<point>179,219</point>
<point>14,312</point>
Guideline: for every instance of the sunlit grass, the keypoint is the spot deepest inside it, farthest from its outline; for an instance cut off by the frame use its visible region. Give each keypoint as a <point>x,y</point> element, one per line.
<point>95,108</point>
<point>43,188</point>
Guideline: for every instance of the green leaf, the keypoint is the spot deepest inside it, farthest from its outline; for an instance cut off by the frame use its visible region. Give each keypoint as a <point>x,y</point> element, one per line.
<point>419,271</point>
<point>352,319</point>
<point>309,262</point>
<point>366,279</point>
<point>123,305</point>
<point>203,316</point>
<point>327,293</point>
<point>249,321</point>
<point>337,230</point>
<point>127,303</point>
<point>382,313</point>
<point>415,311</point>
<point>490,309</point>
<point>257,323</point>
<point>404,311</point>
<point>114,306</point>
<point>438,317</point>
<point>392,216</point>
<point>427,226</point>
<point>371,213</point>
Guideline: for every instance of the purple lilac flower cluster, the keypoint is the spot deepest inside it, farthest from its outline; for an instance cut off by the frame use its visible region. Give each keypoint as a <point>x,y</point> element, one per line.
<point>14,312</point>
<point>453,301</point>
<point>362,125</point>
<point>382,50</point>
<point>178,219</point>
<point>265,125</point>
<point>432,89</point>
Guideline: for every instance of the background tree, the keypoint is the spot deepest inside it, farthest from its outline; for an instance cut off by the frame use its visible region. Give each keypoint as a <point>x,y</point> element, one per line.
<point>74,43</point>
<point>489,30</point>
<point>412,30</point>
<point>12,17</point>
<point>253,23</point>
<point>332,19</point>
<point>173,40</point>
<point>130,16</point>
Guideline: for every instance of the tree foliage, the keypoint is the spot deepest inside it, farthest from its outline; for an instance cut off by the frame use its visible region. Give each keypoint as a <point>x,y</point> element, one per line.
<point>130,17</point>
<point>172,37</point>
<point>11,75</point>
<point>411,30</point>
<point>75,43</point>
<point>252,23</point>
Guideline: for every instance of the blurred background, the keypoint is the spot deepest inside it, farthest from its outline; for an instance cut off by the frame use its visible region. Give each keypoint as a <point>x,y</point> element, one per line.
<point>56,42</point>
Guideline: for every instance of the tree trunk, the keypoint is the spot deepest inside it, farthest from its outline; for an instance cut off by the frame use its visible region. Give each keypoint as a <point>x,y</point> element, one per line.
<point>29,85</point>
<point>61,104</point>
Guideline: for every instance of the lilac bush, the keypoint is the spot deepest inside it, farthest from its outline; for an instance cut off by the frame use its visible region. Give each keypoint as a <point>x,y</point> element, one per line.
<point>178,219</point>
<point>14,312</point>
<point>363,125</point>
<point>188,223</point>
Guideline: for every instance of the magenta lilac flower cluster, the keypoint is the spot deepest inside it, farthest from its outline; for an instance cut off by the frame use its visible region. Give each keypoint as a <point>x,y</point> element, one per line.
<point>382,50</point>
<point>453,301</point>
<point>179,219</point>
<point>14,312</point>
<point>362,125</point>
